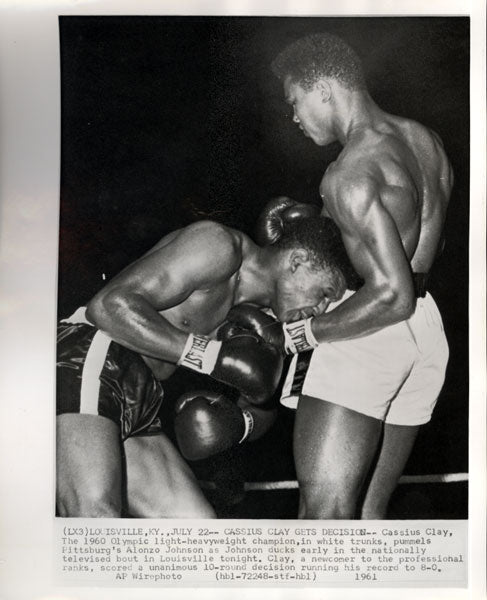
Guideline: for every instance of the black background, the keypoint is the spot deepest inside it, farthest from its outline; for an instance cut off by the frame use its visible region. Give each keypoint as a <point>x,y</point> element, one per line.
<point>166,120</point>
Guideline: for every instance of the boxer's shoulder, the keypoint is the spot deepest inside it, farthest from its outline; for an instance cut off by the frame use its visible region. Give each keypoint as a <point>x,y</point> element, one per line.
<point>207,228</point>
<point>214,239</point>
<point>349,182</point>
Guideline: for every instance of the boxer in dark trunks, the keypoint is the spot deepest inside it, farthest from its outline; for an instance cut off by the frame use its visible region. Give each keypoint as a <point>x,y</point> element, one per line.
<point>160,312</point>
<point>381,353</point>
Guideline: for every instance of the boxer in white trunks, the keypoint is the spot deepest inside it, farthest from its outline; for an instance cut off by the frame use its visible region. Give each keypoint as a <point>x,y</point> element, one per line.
<point>381,352</point>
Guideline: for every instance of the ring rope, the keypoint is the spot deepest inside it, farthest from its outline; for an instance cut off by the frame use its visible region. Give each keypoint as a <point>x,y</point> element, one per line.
<point>258,486</point>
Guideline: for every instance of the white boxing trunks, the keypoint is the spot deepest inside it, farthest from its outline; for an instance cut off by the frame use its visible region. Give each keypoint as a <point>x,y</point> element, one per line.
<point>394,374</point>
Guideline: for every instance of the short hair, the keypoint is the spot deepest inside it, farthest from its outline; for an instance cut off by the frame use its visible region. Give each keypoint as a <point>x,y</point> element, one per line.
<point>309,59</point>
<point>321,237</point>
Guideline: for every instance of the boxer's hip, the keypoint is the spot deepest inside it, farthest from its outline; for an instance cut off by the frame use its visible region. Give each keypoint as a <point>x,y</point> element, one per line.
<point>95,375</point>
<point>366,374</point>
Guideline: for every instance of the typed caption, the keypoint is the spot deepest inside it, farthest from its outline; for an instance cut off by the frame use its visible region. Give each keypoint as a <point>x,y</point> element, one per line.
<point>158,553</point>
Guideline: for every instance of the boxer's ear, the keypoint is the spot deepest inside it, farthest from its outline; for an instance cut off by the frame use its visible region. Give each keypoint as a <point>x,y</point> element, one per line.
<point>297,258</point>
<point>325,90</point>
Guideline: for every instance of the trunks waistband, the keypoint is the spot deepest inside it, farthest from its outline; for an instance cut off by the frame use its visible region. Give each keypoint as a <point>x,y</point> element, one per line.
<point>420,282</point>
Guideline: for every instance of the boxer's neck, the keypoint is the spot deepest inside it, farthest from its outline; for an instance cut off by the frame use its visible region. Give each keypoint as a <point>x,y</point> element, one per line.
<point>258,274</point>
<point>354,112</point>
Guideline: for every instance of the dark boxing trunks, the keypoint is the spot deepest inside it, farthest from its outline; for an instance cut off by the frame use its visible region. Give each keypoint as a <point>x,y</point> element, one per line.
<point>98,376</point>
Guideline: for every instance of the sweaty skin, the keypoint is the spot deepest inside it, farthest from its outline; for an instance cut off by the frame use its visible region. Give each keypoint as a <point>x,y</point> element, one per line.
<point>188,283</point>
<point>387,191</point>
<point>153,304</point>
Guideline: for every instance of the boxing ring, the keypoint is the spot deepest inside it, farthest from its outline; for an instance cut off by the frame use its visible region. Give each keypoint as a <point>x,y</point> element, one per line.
<point>181,180</point>
<point>255,486</point>
<point>266,486</point>
<point>433,495</point>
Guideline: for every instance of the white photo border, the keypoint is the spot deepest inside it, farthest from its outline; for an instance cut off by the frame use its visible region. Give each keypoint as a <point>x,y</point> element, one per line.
<point>29,213</point>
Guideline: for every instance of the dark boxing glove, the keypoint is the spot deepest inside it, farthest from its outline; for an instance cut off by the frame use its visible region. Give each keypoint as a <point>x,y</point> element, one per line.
<point>207,423</point>
<point>276,214</point>
<point>291,338</point>
<point>250,317</point>
<point>245,361</point>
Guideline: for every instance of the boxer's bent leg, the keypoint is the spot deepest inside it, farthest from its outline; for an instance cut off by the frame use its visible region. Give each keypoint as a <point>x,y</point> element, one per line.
<point>159,483</point>
<point>88,466</point>
<point>396,447</point>
<point>333,450</point>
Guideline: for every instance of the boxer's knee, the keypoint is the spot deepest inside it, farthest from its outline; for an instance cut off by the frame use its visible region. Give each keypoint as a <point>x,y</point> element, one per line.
<point>376,502</point>
<point>160,483</point>
<point>199,509</point>
<point>326,502</point>
<point>171,503</point>
<point>376,511</point>
<point>88,503</point>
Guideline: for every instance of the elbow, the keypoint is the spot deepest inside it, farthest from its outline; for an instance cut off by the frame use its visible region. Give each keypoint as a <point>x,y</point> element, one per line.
<point>102,308</point>
<point>96,311</point>
<point>399,303</point>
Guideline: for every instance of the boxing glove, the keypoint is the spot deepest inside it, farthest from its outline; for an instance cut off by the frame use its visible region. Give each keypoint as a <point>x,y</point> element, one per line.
<point>290,338</point>
<point>245,361</point>
<point>299,337</point>
<point>249,317</point>
<point>276,214</point>
<point>207,423</point>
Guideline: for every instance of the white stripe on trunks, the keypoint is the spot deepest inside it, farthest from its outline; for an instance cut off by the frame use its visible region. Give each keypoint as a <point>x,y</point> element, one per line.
<point>79,316</point>
<point>90,380</point>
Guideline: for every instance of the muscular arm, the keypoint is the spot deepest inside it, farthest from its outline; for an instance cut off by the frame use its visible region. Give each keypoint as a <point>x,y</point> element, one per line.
<point>127,309</point>
<point>376,251</point>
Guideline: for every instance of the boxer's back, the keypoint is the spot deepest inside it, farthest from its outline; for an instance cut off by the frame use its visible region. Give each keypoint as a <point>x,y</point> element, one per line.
<point>435,188</point>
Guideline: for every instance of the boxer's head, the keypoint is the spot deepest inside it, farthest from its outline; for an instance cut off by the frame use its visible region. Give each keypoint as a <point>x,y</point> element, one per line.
<point>319,56</point>
<point>315,268</point>
<point>312,69</point>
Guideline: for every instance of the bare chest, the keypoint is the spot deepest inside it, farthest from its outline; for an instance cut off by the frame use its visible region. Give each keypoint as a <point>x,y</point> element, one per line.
<point>204,310</point>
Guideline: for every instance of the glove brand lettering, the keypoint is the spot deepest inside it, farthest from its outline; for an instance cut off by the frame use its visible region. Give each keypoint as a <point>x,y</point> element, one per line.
<point>298,334</point>
<point>195,354</point>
